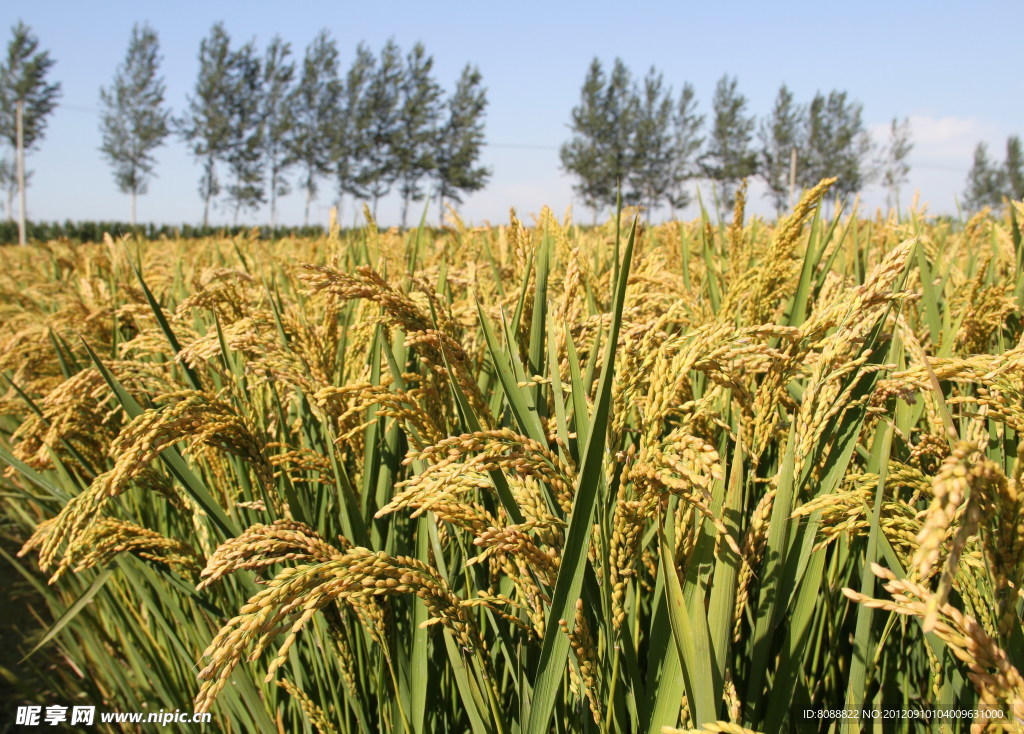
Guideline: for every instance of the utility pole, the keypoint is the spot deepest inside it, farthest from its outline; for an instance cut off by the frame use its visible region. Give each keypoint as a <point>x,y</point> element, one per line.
<point>792,176</point>
<point>20,131</point>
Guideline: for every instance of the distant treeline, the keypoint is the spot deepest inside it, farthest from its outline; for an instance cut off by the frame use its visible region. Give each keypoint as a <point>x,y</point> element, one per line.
<point>93,231</point>
<point>261,123</point>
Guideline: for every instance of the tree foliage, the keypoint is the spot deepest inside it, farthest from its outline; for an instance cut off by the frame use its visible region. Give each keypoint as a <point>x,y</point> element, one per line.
<point>419,100</point>
<point>23,78</point>
<point>314,104</point>
<point>135,121</point>
<point>251,119</point>
<point>835,144</point>
<point>631,135</point>
<point>244,153</point>
<point>686,125</point>
<point>582,154</point>
<point>893,165</point>
<point>460,139</point>
<point>380,118</point>
<point>986,182</point>
<point>729,157</point>
<point>206,125</point>
<point>1014,167</point>
<point>632,138</point>
<point>600,153</point>
<point>349,140</point>
<point>779,135</point>
<point>652,167</point>
<point>224,122</point>
<point>278,118</point>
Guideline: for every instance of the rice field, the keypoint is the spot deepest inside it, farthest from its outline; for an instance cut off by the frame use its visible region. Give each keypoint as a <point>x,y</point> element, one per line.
<point>699,476</point>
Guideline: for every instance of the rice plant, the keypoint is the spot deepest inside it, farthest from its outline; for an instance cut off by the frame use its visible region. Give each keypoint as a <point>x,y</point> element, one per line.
<point>702,477</point>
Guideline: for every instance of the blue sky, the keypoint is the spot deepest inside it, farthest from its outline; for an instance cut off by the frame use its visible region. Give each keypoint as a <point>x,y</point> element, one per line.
<point>952,68</point>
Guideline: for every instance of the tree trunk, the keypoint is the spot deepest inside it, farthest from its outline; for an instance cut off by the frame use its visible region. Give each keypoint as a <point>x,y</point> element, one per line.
<point>309,198</point>
<point>405,209</point>
<point>133,207</point>
<point>22,238</point>
<point>208,191</point>
<point>376,197</point>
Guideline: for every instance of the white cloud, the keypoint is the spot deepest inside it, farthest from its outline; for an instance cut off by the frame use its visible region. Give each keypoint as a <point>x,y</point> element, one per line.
<point>944,140</point>
<point>941,157</point>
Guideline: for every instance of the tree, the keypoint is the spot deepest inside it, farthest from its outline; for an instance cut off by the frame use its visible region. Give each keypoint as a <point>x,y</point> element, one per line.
<point>729,157</point>
<point>379,117</point>
<point>1014,168</point>
<point>315,104</point>
<point>349,138</point>
<point>651,167</point>
<point>985,182</point>
<point>206,126</point>
<point>600,152</point>
<point>894,167</point>
<point>779,135</point>
<point>686,124</point>
<point>581,156</point>
<point>420,98</point>
<point>460,139</point>
<point>244,150</point>
<point>135,121</point>
<point>988,183</point>
<point>277,118</point>
<point>835,144</point>
<point>23,79</point>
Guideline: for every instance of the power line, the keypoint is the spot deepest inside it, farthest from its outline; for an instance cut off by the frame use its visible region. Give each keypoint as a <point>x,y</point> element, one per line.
<point>522,145</point>
<point>537,146</point>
